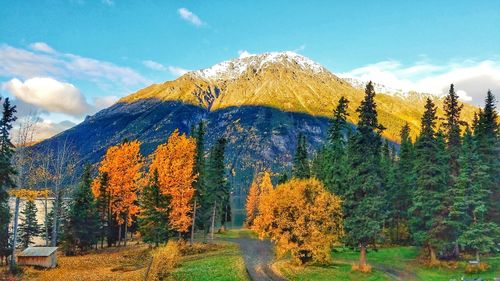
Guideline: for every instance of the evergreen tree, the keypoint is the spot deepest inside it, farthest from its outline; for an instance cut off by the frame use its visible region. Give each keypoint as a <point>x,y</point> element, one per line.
<point>201,197</point>
<point>334,164</point>
<point>400,194</point>
<point>153,220</point>
<point>428,213</point>
<point>283,178</point>
<point>301,167</point>
<point>216,183</point>
<point>468,213</point>
<point>28,227</point>
<point>7,170</point>
<point>363,196</point>
<point>388,173</point>
<point>452,123</point>
<point>487,135</point>
<point>102,204</point>
<point>82,228</point>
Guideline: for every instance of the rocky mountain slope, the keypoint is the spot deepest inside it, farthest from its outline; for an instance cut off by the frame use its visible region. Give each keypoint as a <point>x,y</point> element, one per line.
<point>259,103</point>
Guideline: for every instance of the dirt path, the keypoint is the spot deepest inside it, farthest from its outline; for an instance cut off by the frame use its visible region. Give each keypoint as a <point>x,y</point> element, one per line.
<point>258,256</point>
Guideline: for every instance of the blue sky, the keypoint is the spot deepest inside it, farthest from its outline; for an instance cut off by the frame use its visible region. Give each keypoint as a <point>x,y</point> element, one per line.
<point>98,50</point>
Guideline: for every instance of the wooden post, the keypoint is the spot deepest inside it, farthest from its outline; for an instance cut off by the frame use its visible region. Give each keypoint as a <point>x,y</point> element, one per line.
<point>194,221</point>
<point>213,221</point>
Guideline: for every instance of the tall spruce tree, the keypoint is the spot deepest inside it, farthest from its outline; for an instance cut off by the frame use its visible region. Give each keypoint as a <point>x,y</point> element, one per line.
<point>428,214</point>
<point>301,167</point>
<point>468,214</point>
<point>216,184</point>
<point>28,227</point>
<point>7,170</point>
<point>452,109</point>
<point>363,196</point>
<point>153,220</point>
<point>400,194</point>
<point>81,230</point>
<point>201,197</point>
<point>487,136</point>
<point>334,166</point>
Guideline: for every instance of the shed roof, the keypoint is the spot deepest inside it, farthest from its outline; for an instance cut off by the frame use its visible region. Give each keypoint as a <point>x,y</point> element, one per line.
<point>38,252</point>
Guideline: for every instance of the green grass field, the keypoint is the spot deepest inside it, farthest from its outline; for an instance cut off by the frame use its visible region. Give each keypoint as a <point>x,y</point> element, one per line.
<point>225,264</point>
<point>330,272</point>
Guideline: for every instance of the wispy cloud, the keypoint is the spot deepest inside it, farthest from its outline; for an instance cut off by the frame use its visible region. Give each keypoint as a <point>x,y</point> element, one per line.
<point>42,47</point>
<point>108,2</point>
<point>174,70</point>
<point>190,17</point>
<point>300,48</point>
<point>177,71</point>
<point>22,63</point>
<point>471,78</point>
<point>154,65</point>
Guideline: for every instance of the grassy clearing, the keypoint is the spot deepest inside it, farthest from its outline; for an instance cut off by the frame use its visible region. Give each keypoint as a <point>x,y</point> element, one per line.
<point>330,272</point>
<point>121,263</point>
<point>223,264</point>
<point>237,233</point>
<point>405,258</point>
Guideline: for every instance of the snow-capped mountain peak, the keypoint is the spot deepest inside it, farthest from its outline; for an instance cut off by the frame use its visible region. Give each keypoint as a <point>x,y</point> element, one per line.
<point>233,69</point>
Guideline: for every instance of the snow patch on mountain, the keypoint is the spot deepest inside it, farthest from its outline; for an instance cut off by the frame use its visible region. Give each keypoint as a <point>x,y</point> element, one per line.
<point>235,68</point>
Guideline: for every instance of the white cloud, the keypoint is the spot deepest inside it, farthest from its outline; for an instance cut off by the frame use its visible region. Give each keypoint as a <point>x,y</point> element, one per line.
<point>472,79</point>
<point>177,71</point>
<point>42,47</point>
<point>108,2</point>
<point>49,94</point>
<point>104,102</point>
<point>244,54</point>
<point>43,128</point>
<point>300,48</point>
<point>154,65</point>
<point>15,62</point>
<point>190,16</point>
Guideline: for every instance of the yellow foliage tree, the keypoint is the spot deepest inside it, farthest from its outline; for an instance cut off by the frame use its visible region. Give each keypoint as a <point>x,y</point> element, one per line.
<point>174,162</point>
<point>302,218</point>
<point>252,202</point>
<point>124,165</point>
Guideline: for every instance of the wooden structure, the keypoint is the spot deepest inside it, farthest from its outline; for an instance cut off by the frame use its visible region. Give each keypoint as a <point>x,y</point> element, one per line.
<point>38,256</point>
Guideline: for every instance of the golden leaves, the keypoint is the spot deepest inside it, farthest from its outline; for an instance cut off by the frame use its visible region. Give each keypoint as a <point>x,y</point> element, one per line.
<point>29,194</point>
<point>302,218</point>
<point>123,163</point>
<point>174,162</point>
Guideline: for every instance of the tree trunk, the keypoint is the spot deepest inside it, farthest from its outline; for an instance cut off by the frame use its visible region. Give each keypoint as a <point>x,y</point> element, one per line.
<point>193,222</point>
<point>55,220</point>
<point>362,256</point>
<point>432,255</point>
<point>477,256</point>
<point>46,222</point>
<point>14,235</point>
<point>213,222</point>
<point>119,235</point>
<point>125,233</point>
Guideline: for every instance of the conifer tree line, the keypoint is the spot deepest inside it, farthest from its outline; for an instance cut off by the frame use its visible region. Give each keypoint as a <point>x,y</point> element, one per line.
<point>439,191</point>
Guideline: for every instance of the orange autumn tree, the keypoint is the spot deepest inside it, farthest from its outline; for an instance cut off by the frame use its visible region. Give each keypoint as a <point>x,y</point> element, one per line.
<point>174,162</point>
<point>123,165</point>
<point>302,218</point>
<point>252,202</point>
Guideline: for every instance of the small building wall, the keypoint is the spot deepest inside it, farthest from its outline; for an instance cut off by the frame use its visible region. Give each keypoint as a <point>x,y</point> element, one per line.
<point>47,262</point>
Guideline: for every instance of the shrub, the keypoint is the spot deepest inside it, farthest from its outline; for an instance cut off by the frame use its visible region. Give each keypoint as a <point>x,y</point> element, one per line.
<point>187,249</point>
<point>476,268</point>
<point>362,268</point>
<point>165,259</point>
